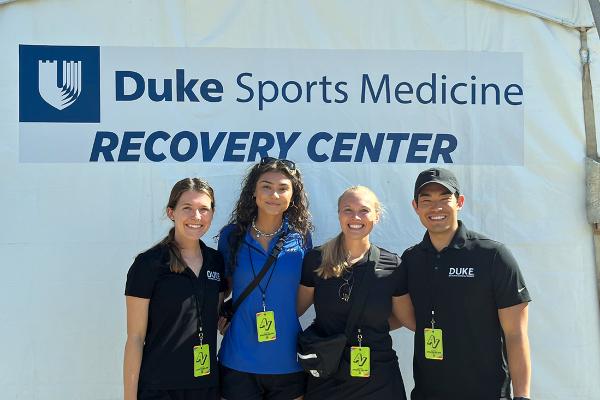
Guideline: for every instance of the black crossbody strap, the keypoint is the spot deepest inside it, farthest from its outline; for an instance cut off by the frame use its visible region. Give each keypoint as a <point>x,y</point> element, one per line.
<point>360,293</point>
<point>272,257</point>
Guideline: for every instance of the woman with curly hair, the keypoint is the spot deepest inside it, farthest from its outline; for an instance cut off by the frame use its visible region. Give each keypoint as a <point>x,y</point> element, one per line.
<point>272,204</point>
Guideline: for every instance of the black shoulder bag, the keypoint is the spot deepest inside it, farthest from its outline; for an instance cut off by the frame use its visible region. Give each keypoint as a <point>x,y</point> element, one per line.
<point>229,307</point>
<point>320,355</point>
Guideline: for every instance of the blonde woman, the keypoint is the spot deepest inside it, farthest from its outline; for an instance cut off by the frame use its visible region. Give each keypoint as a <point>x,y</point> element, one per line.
<point>330,273</point>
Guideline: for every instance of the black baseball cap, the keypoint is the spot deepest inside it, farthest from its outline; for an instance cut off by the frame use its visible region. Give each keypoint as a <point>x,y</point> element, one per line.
<point>441,176</point>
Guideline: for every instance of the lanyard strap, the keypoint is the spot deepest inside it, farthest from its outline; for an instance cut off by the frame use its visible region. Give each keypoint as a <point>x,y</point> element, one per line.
<point>360,293</point>
<point>199,302</point>
<point>432,289</point>
<point>272,257</point>
<point>262,291</point>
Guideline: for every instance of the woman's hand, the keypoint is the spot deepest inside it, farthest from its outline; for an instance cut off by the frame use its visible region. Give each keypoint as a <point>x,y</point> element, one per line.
<point>223,325</point>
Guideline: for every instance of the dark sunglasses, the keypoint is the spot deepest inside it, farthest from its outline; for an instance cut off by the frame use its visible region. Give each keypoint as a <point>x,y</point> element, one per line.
<point>271,160</point>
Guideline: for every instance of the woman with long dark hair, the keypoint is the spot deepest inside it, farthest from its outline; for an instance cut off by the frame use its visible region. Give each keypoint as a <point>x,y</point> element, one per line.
<point>258,352</point>
<point>332,273</point>
<point>173,291</point>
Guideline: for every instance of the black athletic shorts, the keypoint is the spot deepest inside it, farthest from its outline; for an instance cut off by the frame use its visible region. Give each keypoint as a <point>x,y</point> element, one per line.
<point>385,383</point>
<point>211,393</point>
<point>237,385</point>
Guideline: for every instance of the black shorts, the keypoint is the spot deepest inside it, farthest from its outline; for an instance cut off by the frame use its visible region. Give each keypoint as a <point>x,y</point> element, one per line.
<point>237,385</point>
<point>211,393</point>
<point>385,383</point>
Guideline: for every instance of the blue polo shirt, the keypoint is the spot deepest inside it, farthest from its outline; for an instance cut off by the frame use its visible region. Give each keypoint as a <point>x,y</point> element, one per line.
<point>240,348</point>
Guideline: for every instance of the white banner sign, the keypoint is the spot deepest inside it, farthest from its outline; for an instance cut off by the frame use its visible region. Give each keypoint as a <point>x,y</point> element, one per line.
<point>120,104</point>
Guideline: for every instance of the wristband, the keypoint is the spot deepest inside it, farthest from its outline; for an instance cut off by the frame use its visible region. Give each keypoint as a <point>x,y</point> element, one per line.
<point>521,398</point>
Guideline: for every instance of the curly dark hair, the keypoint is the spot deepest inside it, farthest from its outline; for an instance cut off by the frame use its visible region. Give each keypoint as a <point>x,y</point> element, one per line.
<point>245,210</point>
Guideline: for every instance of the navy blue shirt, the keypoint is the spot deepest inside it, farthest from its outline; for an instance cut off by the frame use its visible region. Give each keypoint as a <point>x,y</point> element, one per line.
<point>240,349</point>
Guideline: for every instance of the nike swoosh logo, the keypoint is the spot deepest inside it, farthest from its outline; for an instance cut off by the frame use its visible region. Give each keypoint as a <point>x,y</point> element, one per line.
<point>520,290</point>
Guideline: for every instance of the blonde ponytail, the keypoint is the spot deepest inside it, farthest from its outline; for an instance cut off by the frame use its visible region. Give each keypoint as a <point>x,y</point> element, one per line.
<point>334,258</point>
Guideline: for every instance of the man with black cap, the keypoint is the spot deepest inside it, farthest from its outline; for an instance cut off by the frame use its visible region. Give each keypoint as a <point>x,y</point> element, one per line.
<point>470,304</point>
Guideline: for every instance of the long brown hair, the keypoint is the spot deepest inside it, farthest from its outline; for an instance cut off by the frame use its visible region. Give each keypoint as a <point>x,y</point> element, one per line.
<point>334,255</point>
<point>245,210</point>
<point>176,262</point>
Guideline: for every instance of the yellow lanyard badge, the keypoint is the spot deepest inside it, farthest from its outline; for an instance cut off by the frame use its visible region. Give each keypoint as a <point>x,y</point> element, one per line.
<point>265,326</point>
<point>201,360</point>
<point>360,365</point>
<point>434,346</point>
<point>360,359</point>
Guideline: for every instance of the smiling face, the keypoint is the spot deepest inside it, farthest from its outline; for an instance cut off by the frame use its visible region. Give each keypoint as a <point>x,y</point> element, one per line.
<point>437,209</point>
<point>192,216</point>
<point>358,212</point>
<point>273,193</point>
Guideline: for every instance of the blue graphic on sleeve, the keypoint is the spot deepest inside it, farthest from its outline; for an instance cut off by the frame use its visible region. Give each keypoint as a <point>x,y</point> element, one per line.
<point>59,83</point>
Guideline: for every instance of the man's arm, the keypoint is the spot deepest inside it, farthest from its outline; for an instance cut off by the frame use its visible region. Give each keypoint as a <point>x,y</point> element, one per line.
<point>514,324</point>
<point>403,313</point>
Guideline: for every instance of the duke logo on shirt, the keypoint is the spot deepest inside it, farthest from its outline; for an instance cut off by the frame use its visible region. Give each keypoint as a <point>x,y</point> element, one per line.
<point>461,272</point>
<point>213,276</point>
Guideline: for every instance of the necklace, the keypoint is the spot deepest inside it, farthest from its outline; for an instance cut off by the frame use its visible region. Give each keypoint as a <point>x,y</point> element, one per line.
<point>260,233</point>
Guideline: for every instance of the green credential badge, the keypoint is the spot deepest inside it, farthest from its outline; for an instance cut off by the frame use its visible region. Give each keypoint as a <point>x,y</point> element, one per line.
<point>201,360</point>
<point>434,346</point>
<point>265,326</point>
<point>360,361</point>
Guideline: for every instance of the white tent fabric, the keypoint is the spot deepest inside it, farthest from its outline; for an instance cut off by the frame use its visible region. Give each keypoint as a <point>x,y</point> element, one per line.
<point>71,230</point>
<point>574,13</point>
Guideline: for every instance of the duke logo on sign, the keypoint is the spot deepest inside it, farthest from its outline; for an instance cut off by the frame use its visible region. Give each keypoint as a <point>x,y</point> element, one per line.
<point>59,83</point>
<point>59,90</point>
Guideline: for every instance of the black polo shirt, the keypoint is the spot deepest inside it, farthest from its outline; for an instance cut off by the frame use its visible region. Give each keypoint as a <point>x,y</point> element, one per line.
<point>465,284</point>
<point>172,333</point>
<point>332,312</point>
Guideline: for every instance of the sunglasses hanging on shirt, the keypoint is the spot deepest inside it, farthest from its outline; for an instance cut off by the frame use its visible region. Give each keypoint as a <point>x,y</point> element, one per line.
<point>345,289</point>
